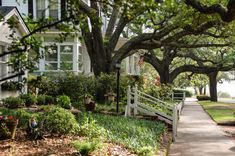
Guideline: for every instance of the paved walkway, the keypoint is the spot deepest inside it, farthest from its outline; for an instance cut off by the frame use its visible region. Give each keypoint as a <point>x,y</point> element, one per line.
<point>198,135</point>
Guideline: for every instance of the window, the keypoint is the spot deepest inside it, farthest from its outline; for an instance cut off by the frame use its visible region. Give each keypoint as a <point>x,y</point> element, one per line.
<point>66,57</point>
<point>80,59</point>
<point>40,8</point>
<point>47,8</point>
<point>58,57</point>
<point>51,58</point>
<point>53,9</point>
<point>3,59</point>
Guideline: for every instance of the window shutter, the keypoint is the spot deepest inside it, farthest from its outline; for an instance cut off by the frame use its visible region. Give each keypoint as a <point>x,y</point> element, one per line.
<point>0,2</point>
<point>30,8</point>
<point>63,8</point>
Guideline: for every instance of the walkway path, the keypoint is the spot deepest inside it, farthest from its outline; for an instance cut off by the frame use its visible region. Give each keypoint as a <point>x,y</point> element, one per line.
<point>198,134</point>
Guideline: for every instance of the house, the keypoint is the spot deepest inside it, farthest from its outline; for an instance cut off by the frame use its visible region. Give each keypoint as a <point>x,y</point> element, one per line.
<point>71,54</point>
<point>9,13</point>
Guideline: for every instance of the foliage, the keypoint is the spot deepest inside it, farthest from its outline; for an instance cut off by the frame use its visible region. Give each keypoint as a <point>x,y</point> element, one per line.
<point>85,147</point>
<point>11,86</point>
<point>29,99</point>
<point>20,114</point>
<point>7,126</point>
<point>141,136</point>
<point>76,86</point>
<point>45,85</point>
<point>89,127</point>
<point>13,102</point>
<point>49,100</point>
<point>24,117</point>
<point>219,111</point>
<point>179,93</point>
<point>203,97</point>
<point>41,100</point>
<point>64,101</point>
<point>61,121</point>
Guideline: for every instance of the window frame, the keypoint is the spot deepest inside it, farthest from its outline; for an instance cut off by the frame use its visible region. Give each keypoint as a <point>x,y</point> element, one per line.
<point>47,9</point>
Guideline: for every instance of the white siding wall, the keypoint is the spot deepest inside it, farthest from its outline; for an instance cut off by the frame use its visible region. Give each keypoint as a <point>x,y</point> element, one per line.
<point>20,4</point>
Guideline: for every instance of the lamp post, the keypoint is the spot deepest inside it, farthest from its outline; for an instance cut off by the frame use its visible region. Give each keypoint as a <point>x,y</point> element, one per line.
<point>118,66</point>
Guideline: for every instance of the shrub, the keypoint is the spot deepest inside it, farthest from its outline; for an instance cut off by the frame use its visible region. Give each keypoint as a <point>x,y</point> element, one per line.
<point>75,86</point>
<point>13,102</point>
<point>61,121</point>
<point>24,117</point>
<point>203,97</point>
<point>29,99</point>
<point>49,100</point>
<point>41,100</point>
<point>64,101</point>
<point>85,147</point>
<point>178,93</point>
<point>88,127</point>
<point>11,86</point>
<point>45,85</point>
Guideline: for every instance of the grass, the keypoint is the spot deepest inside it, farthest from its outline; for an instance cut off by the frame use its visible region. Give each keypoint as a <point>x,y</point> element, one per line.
<point>219,111</point>
<point>141,136</point>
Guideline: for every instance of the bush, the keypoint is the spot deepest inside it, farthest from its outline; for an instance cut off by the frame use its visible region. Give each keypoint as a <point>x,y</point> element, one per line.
<point>178,93</point>
<point>76,86</point>
<point>49,100</point>
<point>11,86</point>
<point>29,99</point>
<point>61,121</point>
<point>203,97</point>
<point>64,101</point>
<point>24,117</point>
<point>85,147</point>
<point>41,100</point>
<point>45,85</point>
<point>88,127</point>
<point>13,102</point>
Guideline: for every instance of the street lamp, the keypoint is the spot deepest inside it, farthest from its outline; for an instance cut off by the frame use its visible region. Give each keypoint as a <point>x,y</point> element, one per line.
<point>118,67</point>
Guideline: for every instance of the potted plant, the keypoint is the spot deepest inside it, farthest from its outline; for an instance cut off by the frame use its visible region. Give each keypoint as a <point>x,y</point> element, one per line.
<point>88,98</point>
<point>110,96</point>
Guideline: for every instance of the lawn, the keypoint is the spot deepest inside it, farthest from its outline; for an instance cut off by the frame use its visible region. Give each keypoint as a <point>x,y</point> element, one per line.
<point>219,111</point>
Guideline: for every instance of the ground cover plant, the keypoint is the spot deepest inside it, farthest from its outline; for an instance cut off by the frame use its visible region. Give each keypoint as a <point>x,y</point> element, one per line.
<point>141,136</point>
<point>219,111</point>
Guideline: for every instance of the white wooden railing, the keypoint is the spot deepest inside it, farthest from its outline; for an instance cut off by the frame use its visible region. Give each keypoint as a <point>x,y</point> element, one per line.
<point>142,103</point>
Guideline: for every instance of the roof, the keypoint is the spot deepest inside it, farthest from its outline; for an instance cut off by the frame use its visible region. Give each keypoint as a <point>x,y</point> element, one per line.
<point>4,10</point>
<point>8,11</point>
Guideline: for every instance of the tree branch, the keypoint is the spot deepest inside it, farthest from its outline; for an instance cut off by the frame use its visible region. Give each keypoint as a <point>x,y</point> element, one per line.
<point>12,76</point>
<point>226,14</point>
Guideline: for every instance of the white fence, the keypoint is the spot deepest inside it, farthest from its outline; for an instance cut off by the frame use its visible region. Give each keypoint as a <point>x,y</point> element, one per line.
<point>142,103</point>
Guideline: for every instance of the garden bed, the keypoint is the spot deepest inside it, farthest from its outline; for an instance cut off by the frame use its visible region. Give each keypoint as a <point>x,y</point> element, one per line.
<point>120,135</point>
<point>53,145</point>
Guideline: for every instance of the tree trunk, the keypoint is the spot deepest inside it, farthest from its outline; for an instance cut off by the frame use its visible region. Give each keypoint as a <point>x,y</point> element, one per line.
<point>195,90</point>
<point>204,90</point>
<point>200,88</point>
<point>165,75</point>
<point>213,86</point>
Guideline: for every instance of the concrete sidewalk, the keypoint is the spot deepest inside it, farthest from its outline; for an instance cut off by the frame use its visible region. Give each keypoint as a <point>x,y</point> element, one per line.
<point>198,135</point>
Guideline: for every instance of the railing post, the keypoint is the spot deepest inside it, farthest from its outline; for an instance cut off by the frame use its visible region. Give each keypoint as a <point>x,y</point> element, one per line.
<point>172,96</point>
<point>183,99</point>
<point>175,121</point>
<point>135,99</point>
<point>128,107</point>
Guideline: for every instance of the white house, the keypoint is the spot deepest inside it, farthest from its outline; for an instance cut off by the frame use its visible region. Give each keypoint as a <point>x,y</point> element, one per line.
<point>71,54</point>
<point>20,30</point>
